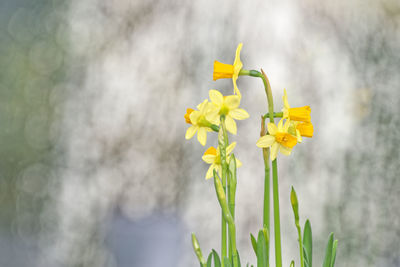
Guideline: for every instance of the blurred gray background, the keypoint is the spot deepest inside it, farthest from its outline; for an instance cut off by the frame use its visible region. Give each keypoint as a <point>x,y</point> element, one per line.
<point>95,170</point>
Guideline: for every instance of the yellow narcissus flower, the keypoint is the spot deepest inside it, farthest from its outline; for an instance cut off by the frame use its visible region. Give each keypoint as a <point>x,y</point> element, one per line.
<point>212,156</point>
<point>228,106</point>
<point>222,70</point>
<point>278,139</point>
<point>201,121</point>
<point>295,114</point>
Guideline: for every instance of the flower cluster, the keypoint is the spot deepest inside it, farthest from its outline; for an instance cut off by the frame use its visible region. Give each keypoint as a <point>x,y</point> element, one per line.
<point>207,117</point>
<point>287,134</point>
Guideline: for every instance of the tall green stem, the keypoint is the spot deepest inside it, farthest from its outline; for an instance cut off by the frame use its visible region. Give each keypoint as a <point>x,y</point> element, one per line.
<point>277,223</point>
<point>266,206</point>
<point>223,141</point>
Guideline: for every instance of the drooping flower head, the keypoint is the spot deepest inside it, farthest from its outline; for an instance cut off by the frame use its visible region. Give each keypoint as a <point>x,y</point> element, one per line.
<point>228,106</point>
<point>300,118</point>
<point>201,121</point>
<point>222,70</point>
<point>278,138</point>
<point>212,156</point>
<point>295,114</point>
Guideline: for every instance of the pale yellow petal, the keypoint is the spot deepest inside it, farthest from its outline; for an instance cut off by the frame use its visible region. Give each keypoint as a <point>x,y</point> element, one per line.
<point>212,117</point>
<point>232,102</point>
<point>216,97</point>
<point>191,131</point>
<point>274,150</point>
<point>201,107</point>
<point>238,163</point>
<point>285,100</point>
<point>230,125</point>
<point>208,158</point>
<point>209,173</point>
<point>235,87</point>
<point>280,126</point>
<point>272,129</point>
<point>239,114</point>
<point>194,116</point>
<point>265,141</point>
<point>237,66</point>
<point>202,136</point>
<point>298,135</point>
<point>286,125</point>
<point>285,150</point>
<point>230,148</point>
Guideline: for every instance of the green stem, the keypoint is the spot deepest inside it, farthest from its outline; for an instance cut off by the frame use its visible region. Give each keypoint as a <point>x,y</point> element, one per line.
<point>228,217</point>
<point>266,206</point>
<point>277,223</point>
<point>223,141</point>
<point>276,115</point>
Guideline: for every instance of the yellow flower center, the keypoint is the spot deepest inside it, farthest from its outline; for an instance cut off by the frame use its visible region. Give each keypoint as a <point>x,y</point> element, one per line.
<point>211,151</point>
<point>222,70</point>
<point>286,139</point>
<point>187,115</point>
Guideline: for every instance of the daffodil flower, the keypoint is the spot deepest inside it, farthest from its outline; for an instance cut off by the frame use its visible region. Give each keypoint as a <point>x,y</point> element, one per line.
<point>278,139</point>
<point>222,70</point>
<point>229,107</point>
<point>212,156</point>
<point>201,121</point>
<point>296,114</point>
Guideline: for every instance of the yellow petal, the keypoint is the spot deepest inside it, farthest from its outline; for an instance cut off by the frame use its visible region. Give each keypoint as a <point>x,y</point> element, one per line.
<point>194,116</point>
<point>237,66</point>
<point>285,150</point>
<point>285,100</point>
<point>298,135</point>
<point>232,102</point>
<point>222,70</point>
<point>213,117</point>
<point>272,129</point>
<point>191,131</point>
<point>208,159</point>
<point>285,127</point>
<point>209,173</point>
<point>265,141</point>
<point>230,125</point>
<point>230,148</point>
<point>202,136</point>
<point>235,87</point>
<point>239,114</point>
<point>238,163</point>
<point>280,126</point>
<point>274,150</point>
<point>216,97</point>
<point>201,107</point>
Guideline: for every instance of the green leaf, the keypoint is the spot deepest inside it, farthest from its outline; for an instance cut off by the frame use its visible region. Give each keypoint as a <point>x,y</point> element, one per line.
<point>306,261</point>
<point>262,258</point>
<point>217,261</point>
<point>209,259</point>
<point>238,256</point>
<point>307,243</point>
<point>227,262</point>
<point>292,264</point>
<point>253,243</point>
<point>328,252</point>
<point>334,253</point>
